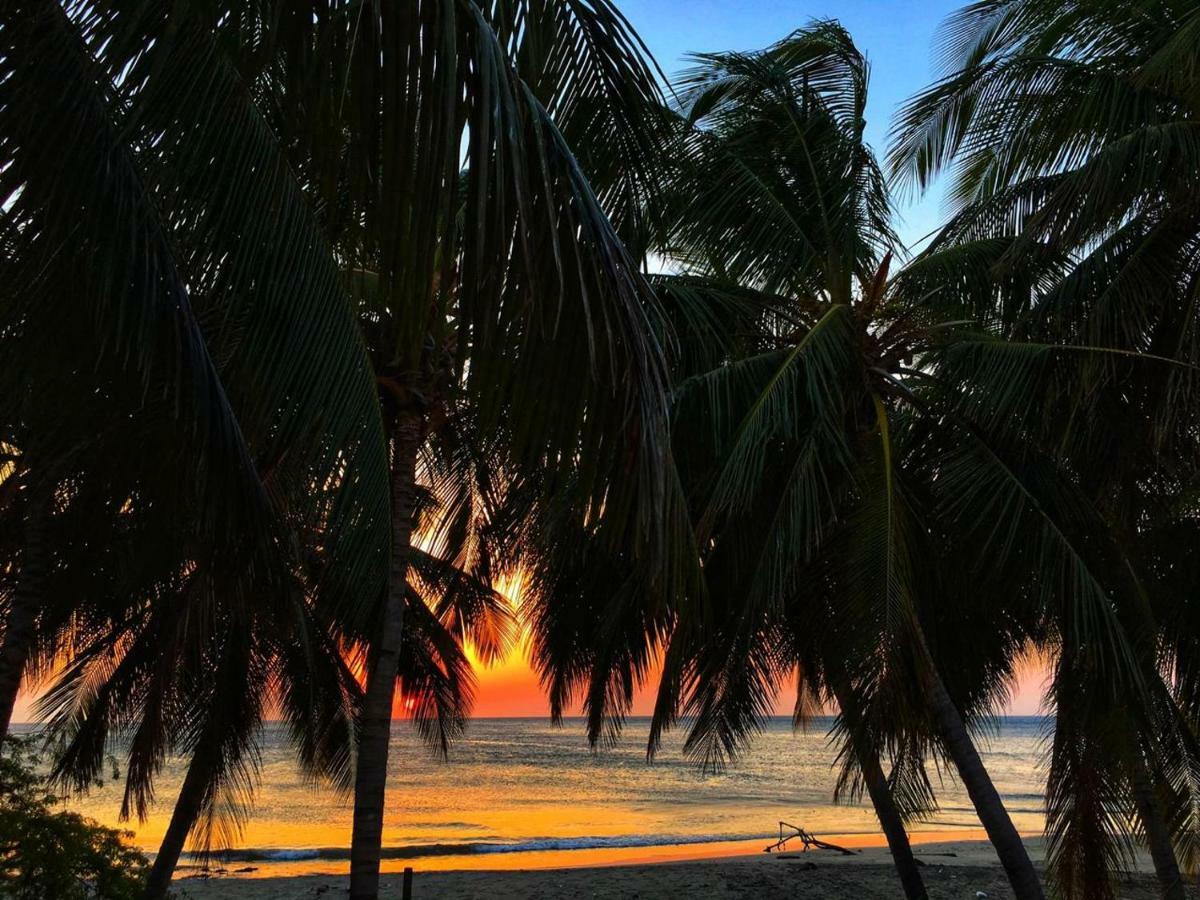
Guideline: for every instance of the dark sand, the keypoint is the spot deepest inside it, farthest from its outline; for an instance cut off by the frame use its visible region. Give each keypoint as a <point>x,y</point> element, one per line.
<point>953,871</point>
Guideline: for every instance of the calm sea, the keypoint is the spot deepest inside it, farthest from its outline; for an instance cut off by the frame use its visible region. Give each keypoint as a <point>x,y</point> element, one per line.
<point>522,793</point>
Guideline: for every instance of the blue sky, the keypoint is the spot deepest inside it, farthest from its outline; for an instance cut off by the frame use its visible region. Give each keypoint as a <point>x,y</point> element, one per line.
<point>895,35</point>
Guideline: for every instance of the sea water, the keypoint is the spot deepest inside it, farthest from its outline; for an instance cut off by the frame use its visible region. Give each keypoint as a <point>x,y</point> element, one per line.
<point>522,792</point>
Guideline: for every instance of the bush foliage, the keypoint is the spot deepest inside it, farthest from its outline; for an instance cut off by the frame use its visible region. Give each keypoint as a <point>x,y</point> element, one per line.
<point>47,851</point>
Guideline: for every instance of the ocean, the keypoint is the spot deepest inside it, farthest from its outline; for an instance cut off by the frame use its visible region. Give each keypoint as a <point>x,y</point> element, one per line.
<point>521,793</point>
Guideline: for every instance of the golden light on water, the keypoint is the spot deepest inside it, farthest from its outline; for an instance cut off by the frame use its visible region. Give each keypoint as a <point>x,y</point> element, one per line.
<point>496,786</point>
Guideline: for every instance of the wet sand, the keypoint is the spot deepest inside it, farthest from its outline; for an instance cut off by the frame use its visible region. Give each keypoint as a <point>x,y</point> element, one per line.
<point>958,870</point>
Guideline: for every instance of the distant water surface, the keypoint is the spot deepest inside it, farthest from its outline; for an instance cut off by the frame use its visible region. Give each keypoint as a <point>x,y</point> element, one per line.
<point>522,792</point>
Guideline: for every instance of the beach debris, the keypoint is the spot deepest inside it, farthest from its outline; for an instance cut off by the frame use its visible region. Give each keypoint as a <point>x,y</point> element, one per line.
<point>790,832</point>
<point>980,895</point>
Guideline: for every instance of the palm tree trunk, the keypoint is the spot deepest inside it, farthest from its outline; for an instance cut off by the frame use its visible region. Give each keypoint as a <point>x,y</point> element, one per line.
<point>375,724</point>
<point>20,628</point>
<point>187,809</point>
<point>889,816</point>
<point>986,799</point>
<point>892,824</point>
<point>1158,835</point>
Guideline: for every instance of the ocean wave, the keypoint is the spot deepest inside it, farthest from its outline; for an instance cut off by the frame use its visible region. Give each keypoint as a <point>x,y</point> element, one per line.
<point>416,851</point>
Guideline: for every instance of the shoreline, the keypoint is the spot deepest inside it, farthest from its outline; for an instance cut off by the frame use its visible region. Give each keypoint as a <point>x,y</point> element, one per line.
<point>951,868</point>
<point>580,858</point>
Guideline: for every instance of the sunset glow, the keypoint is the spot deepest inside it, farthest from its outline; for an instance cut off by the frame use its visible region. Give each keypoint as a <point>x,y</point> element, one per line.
<point>510,688</point>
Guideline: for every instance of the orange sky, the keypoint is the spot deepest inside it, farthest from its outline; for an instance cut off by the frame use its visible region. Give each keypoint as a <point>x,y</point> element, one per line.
<point>511,689</point>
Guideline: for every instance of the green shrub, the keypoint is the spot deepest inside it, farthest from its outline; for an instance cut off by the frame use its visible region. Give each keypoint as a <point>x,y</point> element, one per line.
<point>49,852</point>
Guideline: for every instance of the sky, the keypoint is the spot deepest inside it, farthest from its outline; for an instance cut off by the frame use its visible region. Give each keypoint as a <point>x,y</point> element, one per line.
<point>510,688</point>
<point>896,36</point>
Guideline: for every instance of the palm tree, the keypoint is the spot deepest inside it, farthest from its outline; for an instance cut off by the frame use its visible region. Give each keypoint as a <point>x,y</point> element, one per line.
<point>194,671</point>
<point>793,203</point>
<point>165,343</point>
<point>145,306</point>
<point>437,141</point>
<point>317,153</point>
<point>416,161</point>
<point>141,305</point>
<point>842,435</point>
<point>1069,129</point>
<point>297,664</point>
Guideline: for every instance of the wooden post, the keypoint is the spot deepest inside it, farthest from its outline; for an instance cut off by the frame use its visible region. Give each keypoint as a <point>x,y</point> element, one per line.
<point>406,889</point>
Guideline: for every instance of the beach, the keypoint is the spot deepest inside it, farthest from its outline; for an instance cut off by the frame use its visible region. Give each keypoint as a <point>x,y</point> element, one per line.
<point>522,794</point>
<point>952,870</point>
<point>523,809</point>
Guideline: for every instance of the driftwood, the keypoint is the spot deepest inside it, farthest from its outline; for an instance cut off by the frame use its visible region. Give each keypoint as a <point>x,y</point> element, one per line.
<point>790,832</point>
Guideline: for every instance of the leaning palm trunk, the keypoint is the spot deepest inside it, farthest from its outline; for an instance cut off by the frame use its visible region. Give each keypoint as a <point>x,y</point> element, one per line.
<point>1158,834</point>
<point>375,723</point>
<point>188,806</point>
<point>891,823</point>
<point>984,796</point>
<point>20,628</point>
<point>880,793</point>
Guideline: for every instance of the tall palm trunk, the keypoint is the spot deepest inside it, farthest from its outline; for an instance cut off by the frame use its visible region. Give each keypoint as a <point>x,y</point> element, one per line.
<point>984,796</point>
<point>1158,835</point>
<point>188,804</point>
<point>20,627</point>
<point>889,816</point>
<point>892,824</point>
<point>375,723</point>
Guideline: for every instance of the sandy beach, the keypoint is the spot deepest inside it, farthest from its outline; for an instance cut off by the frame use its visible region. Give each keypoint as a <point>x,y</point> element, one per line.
<point>958,870</point>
